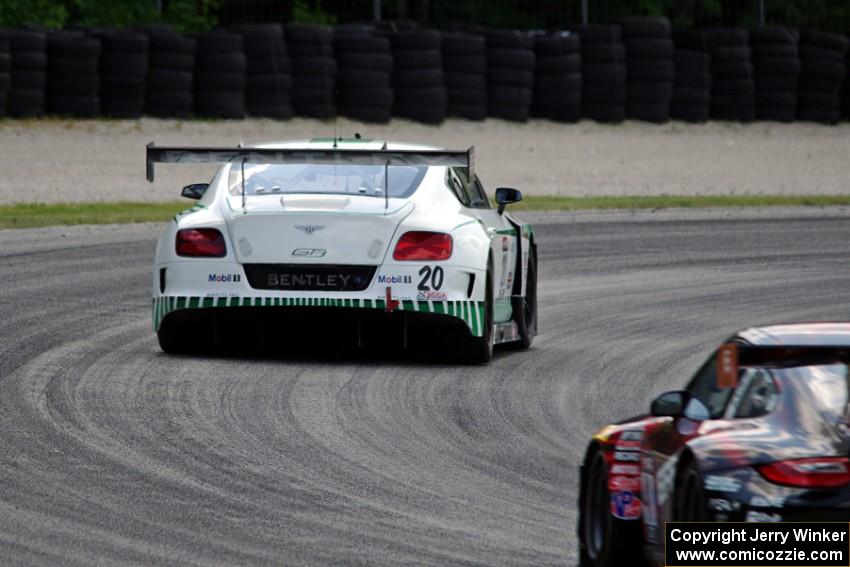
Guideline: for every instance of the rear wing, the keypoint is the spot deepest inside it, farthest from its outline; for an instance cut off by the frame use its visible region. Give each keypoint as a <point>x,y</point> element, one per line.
<point>382,157</point>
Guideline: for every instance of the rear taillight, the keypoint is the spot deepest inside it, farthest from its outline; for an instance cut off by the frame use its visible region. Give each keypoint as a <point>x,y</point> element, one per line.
<point>421,245</point>
<point>820,472</point>
<point>200,242</point>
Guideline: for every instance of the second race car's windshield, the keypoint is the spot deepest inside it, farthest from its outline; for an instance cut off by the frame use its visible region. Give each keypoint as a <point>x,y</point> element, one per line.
<point>825,387</point>
<point>366,180</point>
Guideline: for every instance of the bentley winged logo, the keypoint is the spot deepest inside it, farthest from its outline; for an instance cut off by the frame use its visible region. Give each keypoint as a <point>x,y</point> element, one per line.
<point>308,228</point>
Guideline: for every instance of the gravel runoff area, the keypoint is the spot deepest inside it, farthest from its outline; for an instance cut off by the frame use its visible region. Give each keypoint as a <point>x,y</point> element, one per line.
<point>55,160</point>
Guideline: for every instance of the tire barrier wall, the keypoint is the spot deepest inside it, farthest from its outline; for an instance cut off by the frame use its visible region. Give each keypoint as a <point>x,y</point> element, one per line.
<point>638,68</point>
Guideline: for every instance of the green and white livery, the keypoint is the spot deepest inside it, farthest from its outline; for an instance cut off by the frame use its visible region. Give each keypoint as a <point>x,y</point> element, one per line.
<point>400,230</point>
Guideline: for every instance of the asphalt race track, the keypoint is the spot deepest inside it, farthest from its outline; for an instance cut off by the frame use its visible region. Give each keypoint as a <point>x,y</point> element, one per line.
<point>112,452</point>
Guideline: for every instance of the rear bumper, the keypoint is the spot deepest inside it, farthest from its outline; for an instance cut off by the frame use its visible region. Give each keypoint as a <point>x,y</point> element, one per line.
<point>471,313</point>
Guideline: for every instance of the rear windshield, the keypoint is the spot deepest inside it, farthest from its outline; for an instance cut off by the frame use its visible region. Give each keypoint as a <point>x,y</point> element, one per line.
<point>367,180</point>
<point>824,387</point>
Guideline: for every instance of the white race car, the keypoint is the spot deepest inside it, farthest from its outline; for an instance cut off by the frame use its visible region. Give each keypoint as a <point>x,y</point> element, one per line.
<point>389,238</point>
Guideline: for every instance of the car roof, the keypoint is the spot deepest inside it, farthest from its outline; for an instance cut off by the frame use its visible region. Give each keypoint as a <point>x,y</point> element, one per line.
<point>343,144</point>
<point>826,334</point>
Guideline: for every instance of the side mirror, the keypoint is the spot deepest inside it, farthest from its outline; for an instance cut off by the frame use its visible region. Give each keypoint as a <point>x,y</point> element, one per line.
<point>679,404</point>
<point>195,190</point>
<point>506,196</point>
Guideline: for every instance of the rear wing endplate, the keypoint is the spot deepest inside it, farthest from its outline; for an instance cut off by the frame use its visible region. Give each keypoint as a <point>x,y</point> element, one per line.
<point>384,158</point>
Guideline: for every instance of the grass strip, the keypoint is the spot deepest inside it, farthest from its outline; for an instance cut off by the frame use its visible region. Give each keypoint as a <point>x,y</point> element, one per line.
<point>28,215</point>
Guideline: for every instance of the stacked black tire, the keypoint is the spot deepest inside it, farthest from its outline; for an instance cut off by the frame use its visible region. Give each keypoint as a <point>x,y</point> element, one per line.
<point>733,86</point>
<point>5,70</point>
<point>420,90</point>
<point>28,92</point>
<point>776,63</point>
<point>557,77</point>
<point>821,76</point>
<point>465,73</point>
<point>510,74</point>
<point>364,79</point>
<point>220,75</point>
<point>170,91</point>
<point>692,83</point>
<point>845,98</point>
<point>603,92</point>
<point>73,80</point>
<point>313,70</point>
<point>123,73</point>
<point>649,67</point>
<point>268,88</point>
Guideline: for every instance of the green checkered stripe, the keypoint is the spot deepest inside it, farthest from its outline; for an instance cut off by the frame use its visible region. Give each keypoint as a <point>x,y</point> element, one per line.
<point>471,312</point>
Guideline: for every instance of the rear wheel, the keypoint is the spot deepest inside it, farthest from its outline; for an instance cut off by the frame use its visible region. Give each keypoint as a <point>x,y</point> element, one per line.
<point>479,350</point>
<point>525,308</point>
<point>690,496</point>
<point>604,540</point>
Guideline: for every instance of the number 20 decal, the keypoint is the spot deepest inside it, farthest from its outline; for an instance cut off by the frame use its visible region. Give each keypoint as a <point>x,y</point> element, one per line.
<point>434,275</point>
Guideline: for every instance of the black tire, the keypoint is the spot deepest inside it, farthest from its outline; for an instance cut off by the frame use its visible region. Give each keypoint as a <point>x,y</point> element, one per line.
<point>221,62</point>
<point>558,84</point>
<point>560,64</point>
<point>476,64</point>
<point>786,67</point>
<point>650,48</point>
<point>261,48</point>
<point>298,50</point>
<point>825,40</point>
<point>220,82</point>
<point>85,85</point>
<point>464,43</point>
<point>424,114</point>
<point>29,80</point>
<point>556,45</point>
<point>465,81</point>
<point>613,53</point>
<point>417,39</point>
<point>824,69</point>
<point>650,92</point>
<point>730,69</point>
<point>125,64</point>
<point>278,65</point>
<point>686,96</point>
<point>510,77</point>
<point>606,113</point>
<point>594,95</point>
<point>166,60</point>
<point>774,35</point>
<point>650,70</point>
<point>315,110</point>
<point>479,350</point>
<point>689,112</point>
<point>433,97</point>
<point>269,84</point>
<point>27,40</point>
<point>775,50</point>
<point>368,62</point>
<point>514,58</point>
<point>604,75</point>
<point>371,114</point>
<point>525,308</point>
<point>369,97</point>
<point>693,80</point>
<point>416,78</point>
<point>420,59</point>
<point>604,541</point>
<point>30,60</point>
<point>815,52</point>
<point>170,80</point>
<point>219,42</point>
<point>691,61</point>
<point>82,106</point>
<point>689,504</point>
<point>776,83</point>
<point>657,113</point>
<point>362,44</point>
<point>468,97</point>
<point>314,67</point>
